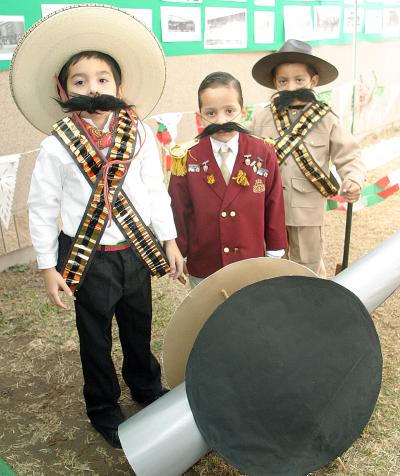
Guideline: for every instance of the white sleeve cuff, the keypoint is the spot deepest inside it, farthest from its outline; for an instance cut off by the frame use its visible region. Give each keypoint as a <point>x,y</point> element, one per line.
<point>46,261</point>
<point>274,253</point>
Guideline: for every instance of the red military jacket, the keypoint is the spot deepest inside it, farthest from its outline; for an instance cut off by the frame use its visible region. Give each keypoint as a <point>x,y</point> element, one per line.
<point>219,223</point>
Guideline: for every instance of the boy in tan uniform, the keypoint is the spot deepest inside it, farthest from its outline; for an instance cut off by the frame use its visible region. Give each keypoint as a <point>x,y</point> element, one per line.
<point>308,138</point>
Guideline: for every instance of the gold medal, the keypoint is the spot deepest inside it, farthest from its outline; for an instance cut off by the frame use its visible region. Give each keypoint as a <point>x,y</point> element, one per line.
<point>259,186</point>
<point>210,179</point>
<point>241,179</point>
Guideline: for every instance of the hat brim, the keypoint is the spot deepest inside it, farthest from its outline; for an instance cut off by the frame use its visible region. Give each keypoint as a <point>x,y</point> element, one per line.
<point>202,301</point>
<point>262,70</point>
<point>50,42</point>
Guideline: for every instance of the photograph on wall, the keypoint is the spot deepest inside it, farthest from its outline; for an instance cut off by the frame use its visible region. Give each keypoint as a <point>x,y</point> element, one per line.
<point>48,8</point>
<point>180,24</point>
<point>225,28</point>
<point>327,22</point>
<point>264,27</point>
<point>145,15</point>
<point>391,21</point>
<point>11,30</point>
<point>298,22</point>
<point>373,22</point>
<point>348,19</point>
<point>264,3</point>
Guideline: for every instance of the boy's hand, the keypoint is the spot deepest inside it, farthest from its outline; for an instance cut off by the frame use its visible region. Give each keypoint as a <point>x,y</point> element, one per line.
<point>175,259</point>
<point>350,191</point>
<point>54,283</point>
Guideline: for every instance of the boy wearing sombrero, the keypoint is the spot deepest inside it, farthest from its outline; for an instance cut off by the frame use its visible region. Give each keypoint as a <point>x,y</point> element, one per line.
<point>308,138</point>
<point>99,171</point>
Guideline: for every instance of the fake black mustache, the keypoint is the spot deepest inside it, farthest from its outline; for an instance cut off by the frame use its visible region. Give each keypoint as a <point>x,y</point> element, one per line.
<point>92,104</point>
<point>226,127</point>
<point>285,98</point>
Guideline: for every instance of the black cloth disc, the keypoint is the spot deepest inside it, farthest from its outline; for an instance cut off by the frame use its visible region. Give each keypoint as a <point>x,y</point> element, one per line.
<point>284,375</point>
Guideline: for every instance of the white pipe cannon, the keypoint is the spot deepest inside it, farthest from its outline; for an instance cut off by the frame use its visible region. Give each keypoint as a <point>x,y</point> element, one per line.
<point>164,438</point>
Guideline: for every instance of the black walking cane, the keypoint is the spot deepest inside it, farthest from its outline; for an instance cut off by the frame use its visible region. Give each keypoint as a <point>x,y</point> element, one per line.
<point>347,234</point>
<point>346,244</point>
<point>349,213</point>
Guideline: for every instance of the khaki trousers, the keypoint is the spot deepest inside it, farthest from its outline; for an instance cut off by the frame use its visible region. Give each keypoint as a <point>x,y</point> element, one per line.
<point>306,247</point>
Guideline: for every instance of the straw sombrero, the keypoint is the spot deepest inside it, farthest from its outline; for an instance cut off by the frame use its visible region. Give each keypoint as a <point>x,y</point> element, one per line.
<point>293,51</point>
<point>50,42</point>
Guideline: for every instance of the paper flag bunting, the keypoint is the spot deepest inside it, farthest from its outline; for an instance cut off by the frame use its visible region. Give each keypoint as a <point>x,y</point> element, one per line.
<point>325,96</point>
<point>378,91</point>
<point>8,178</point>
<point>163,134</point>
<point>370,195</point>
<point>249,113</point>
<point>169,124</point>
<point>199,125</point>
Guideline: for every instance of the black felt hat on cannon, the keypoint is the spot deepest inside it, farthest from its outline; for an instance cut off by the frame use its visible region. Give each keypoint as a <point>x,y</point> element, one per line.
<point>284,375</point>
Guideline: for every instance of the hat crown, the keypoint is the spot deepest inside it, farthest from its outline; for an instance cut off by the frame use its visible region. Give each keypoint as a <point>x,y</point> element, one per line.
<point>295,46</point>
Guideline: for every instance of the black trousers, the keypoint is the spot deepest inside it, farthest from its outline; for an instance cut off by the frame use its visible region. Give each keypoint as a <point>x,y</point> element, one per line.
<point>119,284</point>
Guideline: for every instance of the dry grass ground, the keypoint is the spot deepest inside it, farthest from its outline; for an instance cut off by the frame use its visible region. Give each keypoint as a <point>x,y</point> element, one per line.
<point>43,427</point>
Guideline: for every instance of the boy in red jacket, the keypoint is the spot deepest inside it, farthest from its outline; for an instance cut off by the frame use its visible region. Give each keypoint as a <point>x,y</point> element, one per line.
<point>226,189</point>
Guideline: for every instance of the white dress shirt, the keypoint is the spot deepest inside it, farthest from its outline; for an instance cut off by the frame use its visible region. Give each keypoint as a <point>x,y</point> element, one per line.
<point>59,189</point>
<point>233,145</point>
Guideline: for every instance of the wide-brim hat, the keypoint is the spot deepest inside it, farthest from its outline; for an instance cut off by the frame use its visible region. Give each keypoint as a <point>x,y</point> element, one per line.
<point>50,42</point>
<point>293,51</point>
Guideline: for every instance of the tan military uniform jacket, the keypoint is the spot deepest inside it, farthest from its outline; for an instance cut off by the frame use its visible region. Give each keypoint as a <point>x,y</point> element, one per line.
<point>328,143</point>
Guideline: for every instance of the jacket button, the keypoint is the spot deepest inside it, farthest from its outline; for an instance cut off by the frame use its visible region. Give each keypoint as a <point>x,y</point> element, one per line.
<point>223,214</point>
<point>232,213</point>
<point>226,250</point>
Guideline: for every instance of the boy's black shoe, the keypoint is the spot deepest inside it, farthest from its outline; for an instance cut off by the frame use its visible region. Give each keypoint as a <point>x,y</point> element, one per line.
<point>106,422</point>
<point>110,434</point>
<point>150,398</point>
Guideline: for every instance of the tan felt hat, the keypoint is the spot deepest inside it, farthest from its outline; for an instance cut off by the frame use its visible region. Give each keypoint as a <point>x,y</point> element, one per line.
<point>50,42</point>
<point>202,301</point>
<point>293,51</point>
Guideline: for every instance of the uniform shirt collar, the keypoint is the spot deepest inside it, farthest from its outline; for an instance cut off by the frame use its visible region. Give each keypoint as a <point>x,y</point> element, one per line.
<point>106,127</point>
<point>233,144</point>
